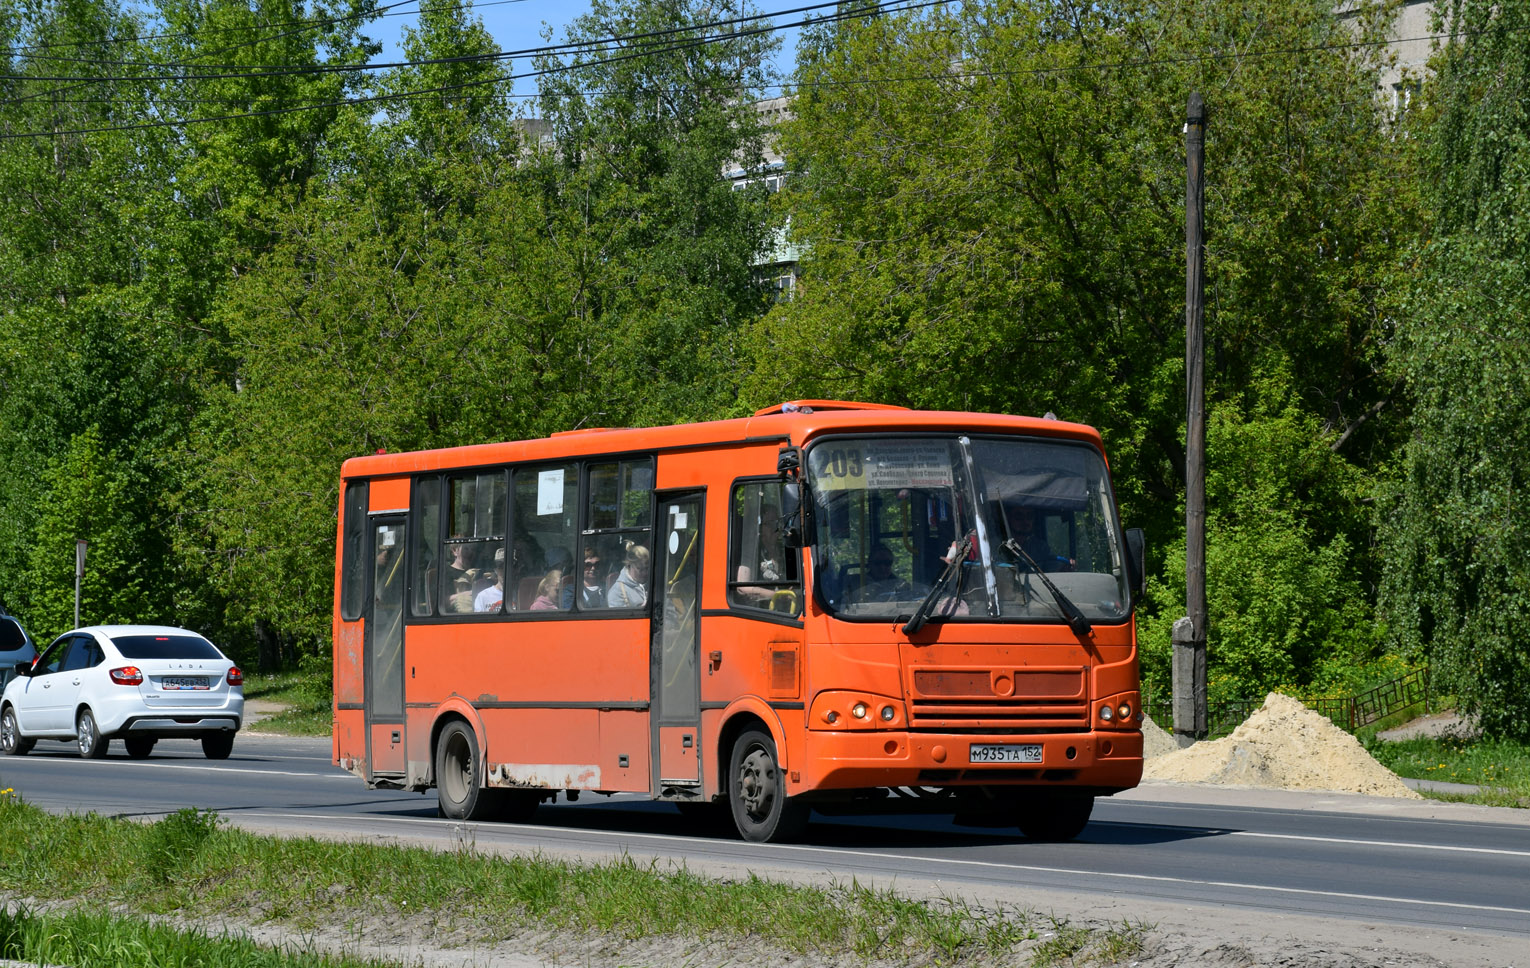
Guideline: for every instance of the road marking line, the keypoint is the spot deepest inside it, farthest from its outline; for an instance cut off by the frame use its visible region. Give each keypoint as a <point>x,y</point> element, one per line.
<point>959,862</point>
<point>1378,843</point>
<point>109,764</point>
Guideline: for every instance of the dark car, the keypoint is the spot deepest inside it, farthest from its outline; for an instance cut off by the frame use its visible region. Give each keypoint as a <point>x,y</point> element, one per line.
<point>15,646</point>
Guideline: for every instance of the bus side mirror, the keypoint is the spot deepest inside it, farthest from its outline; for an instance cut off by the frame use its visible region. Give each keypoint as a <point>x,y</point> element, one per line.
<point>789,463</point>
<point>1136,561</point>
<point>794,525</point>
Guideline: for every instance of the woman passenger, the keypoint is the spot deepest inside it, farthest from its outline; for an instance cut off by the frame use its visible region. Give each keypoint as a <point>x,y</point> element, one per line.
<point>630,590</point>
<point>549,592</point>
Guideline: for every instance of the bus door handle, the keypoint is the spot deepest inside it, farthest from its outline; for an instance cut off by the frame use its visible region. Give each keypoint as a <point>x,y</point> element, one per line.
<point>716,661</point>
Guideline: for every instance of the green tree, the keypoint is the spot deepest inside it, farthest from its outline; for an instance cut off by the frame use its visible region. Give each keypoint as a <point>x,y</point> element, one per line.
<point>120,221</point>
<point>267,68</point>
<point>1457,530</point>
<point>990,199</point>
<point>1290,612</point>
<point>663,247</point>
<point>89,493</point>
<point>455,283</point>
<point>96,264</point>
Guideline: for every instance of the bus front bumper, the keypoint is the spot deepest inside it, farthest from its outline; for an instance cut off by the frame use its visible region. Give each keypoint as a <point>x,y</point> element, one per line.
<point>841,760</point>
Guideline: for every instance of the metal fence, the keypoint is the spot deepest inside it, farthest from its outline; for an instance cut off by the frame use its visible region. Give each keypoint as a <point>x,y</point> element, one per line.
<point>1346,712</point>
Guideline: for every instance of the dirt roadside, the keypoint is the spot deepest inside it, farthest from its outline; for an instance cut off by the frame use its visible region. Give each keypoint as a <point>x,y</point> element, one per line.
<point>1175,934</point>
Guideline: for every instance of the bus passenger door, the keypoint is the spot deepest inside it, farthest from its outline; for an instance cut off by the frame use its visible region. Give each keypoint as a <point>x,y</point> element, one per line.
<point>384,666</point>
<point>676,653</point>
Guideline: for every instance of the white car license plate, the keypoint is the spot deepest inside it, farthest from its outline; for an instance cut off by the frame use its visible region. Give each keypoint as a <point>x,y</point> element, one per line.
<point>1025,753</point>
<point>183,682</point>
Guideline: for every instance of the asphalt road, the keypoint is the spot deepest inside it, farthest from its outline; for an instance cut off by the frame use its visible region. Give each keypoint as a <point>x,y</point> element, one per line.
<point>1314,865</point>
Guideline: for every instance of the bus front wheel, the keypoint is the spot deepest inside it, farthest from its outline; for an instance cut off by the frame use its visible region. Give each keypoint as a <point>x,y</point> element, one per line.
<point>1055,818</point>
<point>459,775</point>
<point>761,809</point>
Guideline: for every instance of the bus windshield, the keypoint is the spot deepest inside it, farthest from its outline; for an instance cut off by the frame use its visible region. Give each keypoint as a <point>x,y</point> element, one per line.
<point>894,514</point>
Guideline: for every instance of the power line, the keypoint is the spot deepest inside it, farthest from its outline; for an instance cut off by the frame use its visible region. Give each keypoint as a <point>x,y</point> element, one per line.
<point>594,44</point>
<point>223,50</point>
<point>865,13</point>
<point>478,82</point>
<point>269,70</point>
<point>441,89</point>
<point>325,22</point>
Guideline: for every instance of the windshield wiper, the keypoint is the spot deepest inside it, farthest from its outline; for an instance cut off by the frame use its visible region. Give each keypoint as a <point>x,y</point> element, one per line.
<point>1076,620</point>
<point>953,567</point>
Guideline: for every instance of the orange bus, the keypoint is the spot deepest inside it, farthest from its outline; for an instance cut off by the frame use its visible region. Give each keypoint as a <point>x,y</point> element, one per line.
<point>827,606</point>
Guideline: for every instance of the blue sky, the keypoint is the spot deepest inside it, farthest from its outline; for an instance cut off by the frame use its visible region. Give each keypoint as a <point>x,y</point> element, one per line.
<point>518,24</point>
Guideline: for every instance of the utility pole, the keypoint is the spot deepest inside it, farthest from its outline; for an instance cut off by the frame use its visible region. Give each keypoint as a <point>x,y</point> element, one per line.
<point>79,573</point>
<point>1189,633</point>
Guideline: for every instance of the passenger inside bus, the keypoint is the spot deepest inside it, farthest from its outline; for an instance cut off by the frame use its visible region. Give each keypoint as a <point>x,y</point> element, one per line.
<point>592,592</point>
<point>630,590</point>
<point>493,597</point>
<point>768,555</point>
<point>561,560</point>
<point>461,562</point>
<point>1028,527</point>
<point>882,584</point>
<point>549,592</point>
<point>462,592</point>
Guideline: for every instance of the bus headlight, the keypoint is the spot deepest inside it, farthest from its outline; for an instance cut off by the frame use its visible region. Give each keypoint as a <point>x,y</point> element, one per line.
<point>847,709</point>
<point>1121,711</point>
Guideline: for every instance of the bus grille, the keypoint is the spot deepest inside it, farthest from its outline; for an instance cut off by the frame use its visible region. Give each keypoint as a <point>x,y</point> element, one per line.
<point>997,716</point>
<point>1024,701</point>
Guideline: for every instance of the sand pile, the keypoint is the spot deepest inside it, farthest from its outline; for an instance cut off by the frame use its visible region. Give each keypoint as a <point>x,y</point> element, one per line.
<point>1155,741</point>
<point>1283,745</point>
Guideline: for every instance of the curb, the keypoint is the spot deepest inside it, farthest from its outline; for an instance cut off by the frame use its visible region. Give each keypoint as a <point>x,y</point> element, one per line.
<point>1440,786</point>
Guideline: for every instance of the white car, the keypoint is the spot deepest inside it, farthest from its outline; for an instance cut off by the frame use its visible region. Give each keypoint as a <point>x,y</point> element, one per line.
<point>141,683</point>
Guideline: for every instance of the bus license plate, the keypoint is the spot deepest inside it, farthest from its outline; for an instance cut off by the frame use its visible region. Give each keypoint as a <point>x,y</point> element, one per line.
<point>1027,753</point>
<point>183,682</point>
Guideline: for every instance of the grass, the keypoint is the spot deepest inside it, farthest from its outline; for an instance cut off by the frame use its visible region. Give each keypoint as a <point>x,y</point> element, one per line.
<point>193,866</point>
<point>306,693</point>
<point>104,941</point>
<point>1500,767</point>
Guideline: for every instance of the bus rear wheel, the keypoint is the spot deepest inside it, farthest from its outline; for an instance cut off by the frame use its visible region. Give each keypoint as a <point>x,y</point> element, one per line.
<point>459,776</point>
<point>762,811</point>
<point>1055,818</point>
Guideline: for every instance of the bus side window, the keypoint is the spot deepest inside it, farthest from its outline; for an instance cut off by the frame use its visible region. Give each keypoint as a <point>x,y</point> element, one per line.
<point>475,521</point>
<point>619,512</point>
<point>762,572</point>
<point>541,575</point>
<point>426,553</point>
<point>353,570</point>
